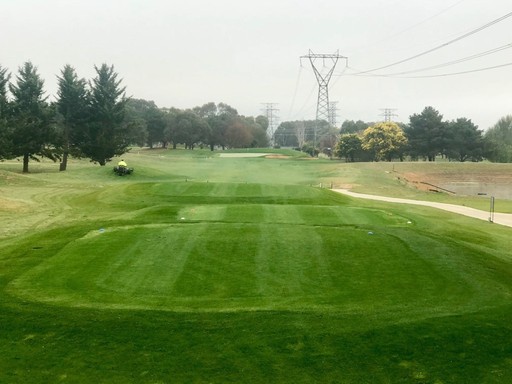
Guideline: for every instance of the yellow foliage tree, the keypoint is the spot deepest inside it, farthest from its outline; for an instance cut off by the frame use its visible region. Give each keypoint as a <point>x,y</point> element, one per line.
<point>385,140</point>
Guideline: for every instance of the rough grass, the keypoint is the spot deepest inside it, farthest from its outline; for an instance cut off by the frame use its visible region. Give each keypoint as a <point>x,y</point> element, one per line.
<point>195,271</point>
<point>473,183</point>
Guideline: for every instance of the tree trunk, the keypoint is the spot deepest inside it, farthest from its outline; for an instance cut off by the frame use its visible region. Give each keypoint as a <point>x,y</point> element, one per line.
<point>25,162</point>
<point>64,163</point>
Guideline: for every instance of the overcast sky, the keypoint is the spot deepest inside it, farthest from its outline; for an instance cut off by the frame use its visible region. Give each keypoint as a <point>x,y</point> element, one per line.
<point>245,53</point>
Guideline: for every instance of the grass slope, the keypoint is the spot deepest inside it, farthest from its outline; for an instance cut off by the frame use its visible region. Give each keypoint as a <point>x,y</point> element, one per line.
<point>196,271</point>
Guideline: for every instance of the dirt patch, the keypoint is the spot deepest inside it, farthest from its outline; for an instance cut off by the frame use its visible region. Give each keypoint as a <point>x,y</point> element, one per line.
<point>466,183</point>
<point>422,181</point>
<point>346,186</point>
<point>12,205</point>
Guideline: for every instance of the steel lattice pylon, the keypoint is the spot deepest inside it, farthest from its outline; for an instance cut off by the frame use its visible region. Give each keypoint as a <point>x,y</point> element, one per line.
<point>323,78</point>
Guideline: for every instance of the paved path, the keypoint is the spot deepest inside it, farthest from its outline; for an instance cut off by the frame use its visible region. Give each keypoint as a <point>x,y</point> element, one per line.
<point>499,218</point>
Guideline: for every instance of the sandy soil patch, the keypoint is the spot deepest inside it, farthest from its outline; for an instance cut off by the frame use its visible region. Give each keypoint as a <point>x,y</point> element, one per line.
<point>11,205</point>
<point>462,183</point>
<point>421,181</point>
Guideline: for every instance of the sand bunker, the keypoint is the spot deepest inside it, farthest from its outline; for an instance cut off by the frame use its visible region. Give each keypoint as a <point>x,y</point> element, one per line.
<point>243,154</point>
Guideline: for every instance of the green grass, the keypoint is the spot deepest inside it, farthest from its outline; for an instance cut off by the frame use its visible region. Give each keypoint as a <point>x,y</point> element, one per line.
<point>200,269</point>
<point>388,179</point>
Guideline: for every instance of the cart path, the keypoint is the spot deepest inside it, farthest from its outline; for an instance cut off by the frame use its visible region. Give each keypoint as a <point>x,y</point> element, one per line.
<point>499,218</point>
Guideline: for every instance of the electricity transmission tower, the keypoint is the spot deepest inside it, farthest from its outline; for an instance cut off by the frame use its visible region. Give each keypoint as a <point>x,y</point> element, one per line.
<point>323,76</point>
<point>333,112</point>
<point>388,114</point>
<point>270,112</point>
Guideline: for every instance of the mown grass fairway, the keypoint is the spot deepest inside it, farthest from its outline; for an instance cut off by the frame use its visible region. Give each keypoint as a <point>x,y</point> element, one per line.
<point>198,268</point>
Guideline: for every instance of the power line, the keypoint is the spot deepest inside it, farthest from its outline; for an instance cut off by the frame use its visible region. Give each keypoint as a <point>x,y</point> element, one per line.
<point>470,33</point>
<point>445,74</point>
<point>295,92</point>
<point>416,24</point>
<point>306,106</point>
<point>458,61</point>
<point>458,73</point>
<point>427,19</point>
<point>468,58</point>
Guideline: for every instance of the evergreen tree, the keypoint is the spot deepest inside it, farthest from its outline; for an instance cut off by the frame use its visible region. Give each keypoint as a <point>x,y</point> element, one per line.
<point>32,131</point>
<point>426,134</point>
<point>191,129</point>
<point>107,133</point>
<point>136,118</point>
<point>5,141</point>
<point>171,131</point>
<point>464,140</point>
<point>73,107</point>
<point>155,126</point>
<point>351,126</point>
<point>498,141</point>
<point>350,147</point>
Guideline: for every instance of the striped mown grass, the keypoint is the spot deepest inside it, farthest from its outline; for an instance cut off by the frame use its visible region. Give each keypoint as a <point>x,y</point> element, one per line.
<point>159,279</point>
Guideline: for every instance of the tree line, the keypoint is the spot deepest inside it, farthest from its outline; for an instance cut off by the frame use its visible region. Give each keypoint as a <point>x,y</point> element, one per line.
<point>210,125</point>
<point>86,120</point>
<point>96,120</point>
<point>426,137</point>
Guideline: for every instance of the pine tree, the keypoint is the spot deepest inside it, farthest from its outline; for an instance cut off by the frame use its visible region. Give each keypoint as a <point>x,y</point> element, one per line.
<point>73,108</point>
<point>5,141</point>
<point>32,130</point>
<point>426,134</point>
<point>107,133</point>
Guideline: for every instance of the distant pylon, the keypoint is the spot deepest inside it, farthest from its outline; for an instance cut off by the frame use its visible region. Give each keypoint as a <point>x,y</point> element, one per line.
<point>323,77</point>
<point>333,112</point>
<point>388,114</point>
<point>270,112</point>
